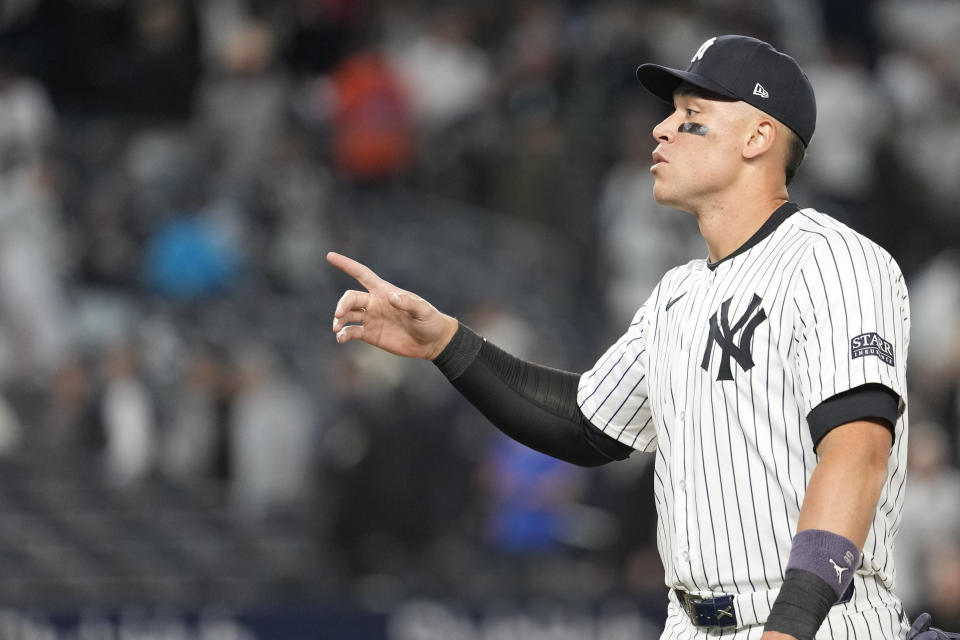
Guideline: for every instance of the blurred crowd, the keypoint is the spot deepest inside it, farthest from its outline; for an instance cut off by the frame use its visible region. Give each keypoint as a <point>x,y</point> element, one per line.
<point>172,173</point>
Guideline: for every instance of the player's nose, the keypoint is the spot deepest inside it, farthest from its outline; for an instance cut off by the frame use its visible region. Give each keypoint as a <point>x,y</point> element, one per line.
<point>665,131</point>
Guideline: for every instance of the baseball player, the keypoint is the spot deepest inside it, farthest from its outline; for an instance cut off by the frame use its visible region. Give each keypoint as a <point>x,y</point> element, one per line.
<point>768,380</point>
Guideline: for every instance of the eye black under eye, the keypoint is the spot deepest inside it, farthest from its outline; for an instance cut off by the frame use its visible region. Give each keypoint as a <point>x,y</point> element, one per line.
<point>694,128</point>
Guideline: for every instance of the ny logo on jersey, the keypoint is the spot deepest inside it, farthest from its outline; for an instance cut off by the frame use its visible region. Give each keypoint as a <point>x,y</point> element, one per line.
<point>723,335</point>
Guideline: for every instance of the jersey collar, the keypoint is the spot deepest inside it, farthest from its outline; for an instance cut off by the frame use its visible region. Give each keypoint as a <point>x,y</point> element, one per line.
<point>783,212</point>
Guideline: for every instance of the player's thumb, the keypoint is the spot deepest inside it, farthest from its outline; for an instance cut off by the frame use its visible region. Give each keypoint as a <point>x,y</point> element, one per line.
<point>409,304</point>
<point>400,301</point>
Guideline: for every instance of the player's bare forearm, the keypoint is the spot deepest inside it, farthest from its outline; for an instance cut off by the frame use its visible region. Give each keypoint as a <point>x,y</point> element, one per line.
<point>388,317</point>
<point>845,487</point>
<point>841,499</point>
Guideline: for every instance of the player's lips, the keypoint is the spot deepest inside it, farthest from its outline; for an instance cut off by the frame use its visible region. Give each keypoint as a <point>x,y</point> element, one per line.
<point>658,159</point>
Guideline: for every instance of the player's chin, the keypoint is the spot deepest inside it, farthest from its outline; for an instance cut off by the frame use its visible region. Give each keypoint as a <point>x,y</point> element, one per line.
<point>663,194</point>
<point>670,199</point>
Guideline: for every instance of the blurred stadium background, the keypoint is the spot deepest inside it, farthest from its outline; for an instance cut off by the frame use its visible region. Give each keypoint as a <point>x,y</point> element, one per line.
<point>184,452</point>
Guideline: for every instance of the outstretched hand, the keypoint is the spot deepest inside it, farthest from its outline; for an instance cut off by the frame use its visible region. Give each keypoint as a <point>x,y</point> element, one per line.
<point>388,317</point>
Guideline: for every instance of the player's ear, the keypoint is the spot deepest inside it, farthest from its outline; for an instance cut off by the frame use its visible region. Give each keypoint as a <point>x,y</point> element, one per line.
<point>761,137</point>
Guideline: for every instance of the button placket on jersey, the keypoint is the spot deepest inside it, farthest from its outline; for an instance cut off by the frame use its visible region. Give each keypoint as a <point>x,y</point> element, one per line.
<point>682,454</point>
<point>684,506</point>
<point>679,456</point>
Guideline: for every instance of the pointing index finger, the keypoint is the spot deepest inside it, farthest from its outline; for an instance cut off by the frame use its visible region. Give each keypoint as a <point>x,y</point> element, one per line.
<point>359,272</point>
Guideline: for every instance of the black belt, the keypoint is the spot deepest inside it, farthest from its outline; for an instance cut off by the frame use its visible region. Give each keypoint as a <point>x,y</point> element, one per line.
<point>718,611</point>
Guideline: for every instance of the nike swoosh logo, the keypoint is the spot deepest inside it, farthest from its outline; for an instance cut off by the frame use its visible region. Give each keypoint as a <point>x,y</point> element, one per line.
<point>674,301</point>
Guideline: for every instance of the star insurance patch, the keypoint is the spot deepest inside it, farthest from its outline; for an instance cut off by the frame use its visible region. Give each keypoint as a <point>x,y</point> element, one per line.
<point>871,344</point>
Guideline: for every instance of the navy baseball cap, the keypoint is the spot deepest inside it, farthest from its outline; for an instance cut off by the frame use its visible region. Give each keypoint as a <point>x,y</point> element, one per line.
<point>747,69</point>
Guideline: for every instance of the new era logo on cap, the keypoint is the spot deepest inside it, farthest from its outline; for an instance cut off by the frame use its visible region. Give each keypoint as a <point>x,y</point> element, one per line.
<point>747,69</point>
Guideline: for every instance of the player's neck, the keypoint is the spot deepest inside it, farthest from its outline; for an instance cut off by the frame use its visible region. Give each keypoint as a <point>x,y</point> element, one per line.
<point>726,227</point>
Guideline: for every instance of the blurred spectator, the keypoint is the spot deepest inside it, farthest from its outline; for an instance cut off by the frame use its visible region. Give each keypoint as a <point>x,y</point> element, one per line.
<point>943,580</point>
<point>530,180</point>
<point>844,22</point>
<point>272,438</point>
<point>627,491</point>
<point>128,415</point>
<point>446,76</point>
<point>391,442</point>
<point>362,112</point>
<point>165,171</point>
<point>527,181</point>
<point>917,24</point>
<point>920,70</point>
<point>529,498</point>
<point>218,22</point>
<point>451,86</point>
<point>188,257</point>
<point>193,438</point>
<point>35,311</point>
<point>935,344</point>
<point>243,101</point>
<point>34,321</point>
<point>299,193</point>
<point>71,422</point>
<point>935,295</point>
<point>931,514</point>
<point>373,136</point>
<point>852,116</point>
<point>534,47</point>
<point>28,124</point>
<point>107,240</point>
<point>160,69</point>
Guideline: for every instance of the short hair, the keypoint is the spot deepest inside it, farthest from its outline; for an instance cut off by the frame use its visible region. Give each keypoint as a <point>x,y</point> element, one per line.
<point>796,152</point>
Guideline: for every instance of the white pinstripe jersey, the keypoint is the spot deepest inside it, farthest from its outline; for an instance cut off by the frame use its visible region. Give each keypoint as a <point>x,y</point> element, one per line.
<point>717,374</point>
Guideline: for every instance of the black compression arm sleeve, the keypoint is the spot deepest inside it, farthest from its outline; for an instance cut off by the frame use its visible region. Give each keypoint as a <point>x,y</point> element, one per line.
<point>532,404</point>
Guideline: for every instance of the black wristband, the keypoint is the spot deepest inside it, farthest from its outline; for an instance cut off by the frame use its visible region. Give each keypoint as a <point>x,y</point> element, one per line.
<point>802,606</point>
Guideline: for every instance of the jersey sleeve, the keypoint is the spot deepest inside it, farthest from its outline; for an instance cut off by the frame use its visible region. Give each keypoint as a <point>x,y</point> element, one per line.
<point>852,323</point>
<point>613,394</point>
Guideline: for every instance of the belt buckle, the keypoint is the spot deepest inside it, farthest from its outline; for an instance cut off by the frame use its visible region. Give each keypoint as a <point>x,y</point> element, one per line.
<point>709,612</point>
<point>688,601</point>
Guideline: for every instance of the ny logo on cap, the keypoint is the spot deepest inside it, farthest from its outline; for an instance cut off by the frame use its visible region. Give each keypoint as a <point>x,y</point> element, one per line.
<point>703,48</point>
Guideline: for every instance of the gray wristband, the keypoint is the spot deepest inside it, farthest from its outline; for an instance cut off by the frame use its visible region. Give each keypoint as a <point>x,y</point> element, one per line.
<point>827,555</point>
<point>819,572</point>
